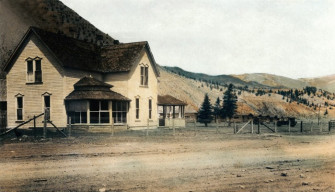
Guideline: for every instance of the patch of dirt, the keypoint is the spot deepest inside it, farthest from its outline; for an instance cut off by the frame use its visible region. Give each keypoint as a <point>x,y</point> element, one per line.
<point>186,161</point>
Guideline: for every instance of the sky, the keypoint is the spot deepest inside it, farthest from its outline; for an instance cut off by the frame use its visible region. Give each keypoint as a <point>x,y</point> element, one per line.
<point>292,38</point>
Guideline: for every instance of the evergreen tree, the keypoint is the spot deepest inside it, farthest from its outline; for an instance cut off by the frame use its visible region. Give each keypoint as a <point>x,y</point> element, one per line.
<point>205,112</point>
<point>326,112</point>
<point>229,103</point>
<point>217,108</point>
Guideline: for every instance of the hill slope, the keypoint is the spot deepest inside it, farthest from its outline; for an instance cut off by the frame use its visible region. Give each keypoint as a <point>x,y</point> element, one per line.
<point>52,15</point>
<point>192,92</point>
<point>220,79</point>
<point>325,82</point>
<point>271,80</point>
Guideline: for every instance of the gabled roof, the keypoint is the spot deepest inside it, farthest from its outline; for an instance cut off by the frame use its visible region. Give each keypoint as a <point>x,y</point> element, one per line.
<point>77,54</point>
<point>169,100</point>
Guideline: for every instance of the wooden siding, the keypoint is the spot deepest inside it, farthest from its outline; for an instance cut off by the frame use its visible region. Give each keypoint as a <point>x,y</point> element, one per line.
<point>33,98</point>
<point>59,81</point>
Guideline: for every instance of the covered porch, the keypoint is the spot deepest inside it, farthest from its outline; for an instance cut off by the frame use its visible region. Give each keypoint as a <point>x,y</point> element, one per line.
<point>171,111</point>
<point>93,104</point>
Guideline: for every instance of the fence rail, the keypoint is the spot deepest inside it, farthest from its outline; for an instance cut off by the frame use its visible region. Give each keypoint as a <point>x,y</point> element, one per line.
<point>301,127</point>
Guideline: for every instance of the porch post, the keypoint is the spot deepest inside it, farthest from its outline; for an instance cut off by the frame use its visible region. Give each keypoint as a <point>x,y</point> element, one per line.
<point>174,112</point>
<point>179,113</point>
<point>164,112</point>
<point>110,112</point>
<point>88,112</point>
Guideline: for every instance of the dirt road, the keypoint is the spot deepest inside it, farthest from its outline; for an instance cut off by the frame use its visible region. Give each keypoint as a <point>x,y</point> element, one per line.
<point>162,162</point>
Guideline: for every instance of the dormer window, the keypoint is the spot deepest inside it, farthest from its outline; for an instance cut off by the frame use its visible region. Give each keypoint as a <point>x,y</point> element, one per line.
<point>34,70</point>
<point>144,75</point>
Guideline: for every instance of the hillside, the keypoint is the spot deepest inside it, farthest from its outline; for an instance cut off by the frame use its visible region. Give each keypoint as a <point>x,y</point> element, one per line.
<point>218,79</point>
<point>52,15</point>
<point>271,80</point>
<point>192,92</point>
<point>325,82</point>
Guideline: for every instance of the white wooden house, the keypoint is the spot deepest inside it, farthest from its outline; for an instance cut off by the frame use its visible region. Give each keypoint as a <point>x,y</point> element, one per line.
<point>94,85</point>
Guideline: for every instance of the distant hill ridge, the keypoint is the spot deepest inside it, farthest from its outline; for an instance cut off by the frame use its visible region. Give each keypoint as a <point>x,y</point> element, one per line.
<point>221,79</point>
<point>260,80</point>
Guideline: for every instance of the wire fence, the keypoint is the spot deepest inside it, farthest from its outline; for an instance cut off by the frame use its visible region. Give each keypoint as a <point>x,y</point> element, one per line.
<point>298,127</point>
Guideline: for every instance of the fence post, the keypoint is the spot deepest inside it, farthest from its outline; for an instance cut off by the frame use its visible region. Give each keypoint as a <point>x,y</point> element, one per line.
<point>289,126</point>
<point>45,123</point>
<point>311,126</point>
<point>217,126</point>
<point>252,126</point>
<point>34,122</point>
<point>259,128</point>
<point>195,131</point>
<point>112,126</point>
<point>70,127</point>
<point>235,128</point>
<point>329,126</point>
<point>174,130</point>
<point>275,126</point>
<point>147,128</point>
<point>301,129</point>
<point>320,127</point>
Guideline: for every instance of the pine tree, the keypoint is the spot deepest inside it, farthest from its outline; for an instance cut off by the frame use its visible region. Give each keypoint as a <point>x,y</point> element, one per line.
<point>229,103</point>
<point>205,112</point>
<point>217,108</point>
<point>326,112</point>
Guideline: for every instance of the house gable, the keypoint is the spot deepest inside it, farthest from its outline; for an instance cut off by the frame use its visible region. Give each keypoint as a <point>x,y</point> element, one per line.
<point>34,91</point>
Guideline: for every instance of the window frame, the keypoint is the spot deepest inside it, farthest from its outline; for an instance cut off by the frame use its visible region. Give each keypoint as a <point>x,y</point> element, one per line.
<point>150,108</point>
<point>30,70</point>
<point>33,73</point>
<point>100,111</point>
<point>38,72</point>
<point>119,108</point>
<point>137,107</point>
<point>82,111</point>
<point>45,95</point>
<point>144,75</point>
<point>19,96</point>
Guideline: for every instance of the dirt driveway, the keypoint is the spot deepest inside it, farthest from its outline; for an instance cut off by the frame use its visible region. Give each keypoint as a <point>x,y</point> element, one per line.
<point>205,161</point>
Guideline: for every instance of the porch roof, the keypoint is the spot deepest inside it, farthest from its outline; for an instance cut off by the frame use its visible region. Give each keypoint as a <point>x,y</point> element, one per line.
<point>89,88</point>
<point>95,95</point>
<point>168,100</point>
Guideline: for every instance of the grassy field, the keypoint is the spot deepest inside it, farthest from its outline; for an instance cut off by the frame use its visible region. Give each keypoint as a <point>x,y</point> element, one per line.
<point>189,160</point>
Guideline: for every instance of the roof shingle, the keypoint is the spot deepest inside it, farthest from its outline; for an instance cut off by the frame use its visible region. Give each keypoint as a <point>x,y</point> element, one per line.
<point>78,54</point>
<point>169,100</point>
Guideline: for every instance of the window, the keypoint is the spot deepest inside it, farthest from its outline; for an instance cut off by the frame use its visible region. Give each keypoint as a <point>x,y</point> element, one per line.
<point>150,108</point>
<point>19,108</point>
<point>137,108</point>
<point>77,110</point>
<point>144,75</point>
<point>47,106</point>
<point>30,71</point>
<point>38,71</point>
<point>120,111</point>
<point>99,112</point>
<point>34,72</point>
